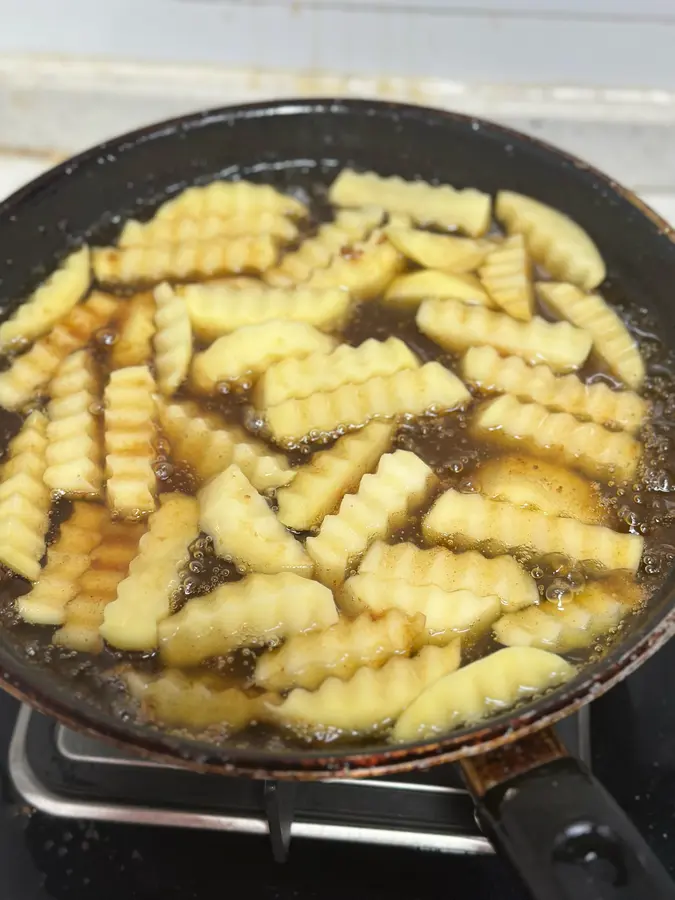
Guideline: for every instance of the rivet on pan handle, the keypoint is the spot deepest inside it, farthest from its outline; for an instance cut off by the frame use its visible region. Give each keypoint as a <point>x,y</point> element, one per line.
<point>565,835</point>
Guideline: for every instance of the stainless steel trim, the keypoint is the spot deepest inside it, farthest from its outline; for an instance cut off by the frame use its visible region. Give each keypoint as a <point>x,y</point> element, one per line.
<point>43,799</point>
<point>398,785</point>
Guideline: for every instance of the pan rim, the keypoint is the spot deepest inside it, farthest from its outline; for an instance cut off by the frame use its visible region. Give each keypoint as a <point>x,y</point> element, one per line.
<point>589,683</point>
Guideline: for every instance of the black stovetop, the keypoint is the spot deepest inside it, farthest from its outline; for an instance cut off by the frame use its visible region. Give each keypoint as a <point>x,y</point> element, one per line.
<point>633,741</point>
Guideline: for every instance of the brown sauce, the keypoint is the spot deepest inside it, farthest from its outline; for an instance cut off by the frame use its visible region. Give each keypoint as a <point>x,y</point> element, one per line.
<point>444,442</point>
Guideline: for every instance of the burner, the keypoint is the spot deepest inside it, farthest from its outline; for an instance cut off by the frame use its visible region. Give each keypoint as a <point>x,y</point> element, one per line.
<point>70,775</point>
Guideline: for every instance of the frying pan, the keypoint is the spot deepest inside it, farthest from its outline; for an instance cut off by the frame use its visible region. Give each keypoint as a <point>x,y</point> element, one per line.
<point>542,809</point>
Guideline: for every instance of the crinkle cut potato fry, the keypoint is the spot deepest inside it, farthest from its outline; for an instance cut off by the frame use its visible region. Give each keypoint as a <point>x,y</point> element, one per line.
<point>491,684</point>
<point>97,586</point>
<point>133,346</point>
<point>430,389</point>
<point>550,488</point>
<point>186,230</point>
<point>294,379</point>
<point>456,326</point>
<point>474,520</point>
<point>130,416</point>
<point>177,700</point>
<point>173,340</point>
<point>229,199</point>
<point>595,611</point>
<point>207,445</point>
<point>194,259</point>
<point>253,612</point>
<point>500,576</point>
<point>409,290</point>
<point>68,558</point>
<point>74,432</point>
<point>216,309</point>
<point>507,276</point>
<point>447,613</point>
<point>319,486</point>
<point>595,450</point>
<point>144,597</point>
<point>443,206</point>
<point>246,530</point>
<point>371,699</point>
<point>50,302</point>
<point>383,501</point>
<point>365,271</point>
<point>351,226</point>
<point>24,499</point>
<point>306,660</point>
<point>254,350</point>
<point>484,368</point>
<point>554,241</point>
<point>611,339</point>
<point>31,372</point>
<point>448,253</point>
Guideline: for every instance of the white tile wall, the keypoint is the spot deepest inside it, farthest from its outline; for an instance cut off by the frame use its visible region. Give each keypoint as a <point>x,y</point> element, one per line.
<point>592,42</point>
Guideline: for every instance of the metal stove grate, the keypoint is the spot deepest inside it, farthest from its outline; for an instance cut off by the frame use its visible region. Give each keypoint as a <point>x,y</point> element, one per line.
<point>69,775</point>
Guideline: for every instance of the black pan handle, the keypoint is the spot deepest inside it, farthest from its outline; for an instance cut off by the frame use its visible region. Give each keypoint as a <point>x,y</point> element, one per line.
<point>564,834</point>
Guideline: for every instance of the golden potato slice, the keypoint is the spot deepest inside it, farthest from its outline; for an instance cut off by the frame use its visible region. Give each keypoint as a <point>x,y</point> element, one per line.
<point>474,520</point>
<point>231,199</point>
<point>441,205</point>
<point>438,251</point>
<point>173,340</point>
<point>409,290</point>
<point>507,276</point>
<point>554,240</point>
<point>133,346</point>
<point>185,230</point>
<point>365,271</point>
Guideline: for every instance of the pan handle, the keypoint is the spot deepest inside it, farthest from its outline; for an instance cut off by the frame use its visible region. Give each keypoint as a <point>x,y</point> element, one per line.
<point>564,834</point>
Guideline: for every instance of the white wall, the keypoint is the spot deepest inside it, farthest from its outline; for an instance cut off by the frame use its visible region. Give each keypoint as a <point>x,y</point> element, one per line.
<point>591,42</point>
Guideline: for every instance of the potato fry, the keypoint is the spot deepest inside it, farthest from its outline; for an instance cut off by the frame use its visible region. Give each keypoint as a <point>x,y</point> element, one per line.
<point>294,379</point>
<point>173,340</point>
<point>492,684</point>
<point>177,700</point>
<point>500,576</point>
<point>133,346</point>
<point>245,529</point>
<point>181,230</point>
<point>409,290</point>
<point>318,487</point>
<point>487,370</point>
<point>456,326</point>
<point>611,339</point>
<point>306,660</point>
<point>365,272</point>
<point>129,442</point>
<point>216,310</point>
<point>253,612</point>
<point>447,613</point>
<point>383,500</point>
<point>24,499</point>
<point>431,388</point>
<point>371,699</point>
<point>50,302</point>
<point>231,199</point>
<point>193,259</point>
<point>31,372</point>
<point>350,226</point>
<point>552,489</point>
<point>144,597</point>
<point>470,520</point>
<point>596,610</point>
<point>74,439</point>
<point>253,349</point>
<point>438,251</point>
<point>507,276</point>
<point>441,205</point>
<point>553,240</point>
<point>559,437</point>
<point>97,586</point>
<point>208,445</point>
<point>67,560</point>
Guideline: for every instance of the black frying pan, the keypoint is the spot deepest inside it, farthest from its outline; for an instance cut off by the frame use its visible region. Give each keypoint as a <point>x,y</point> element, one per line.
<point>544,810</point>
